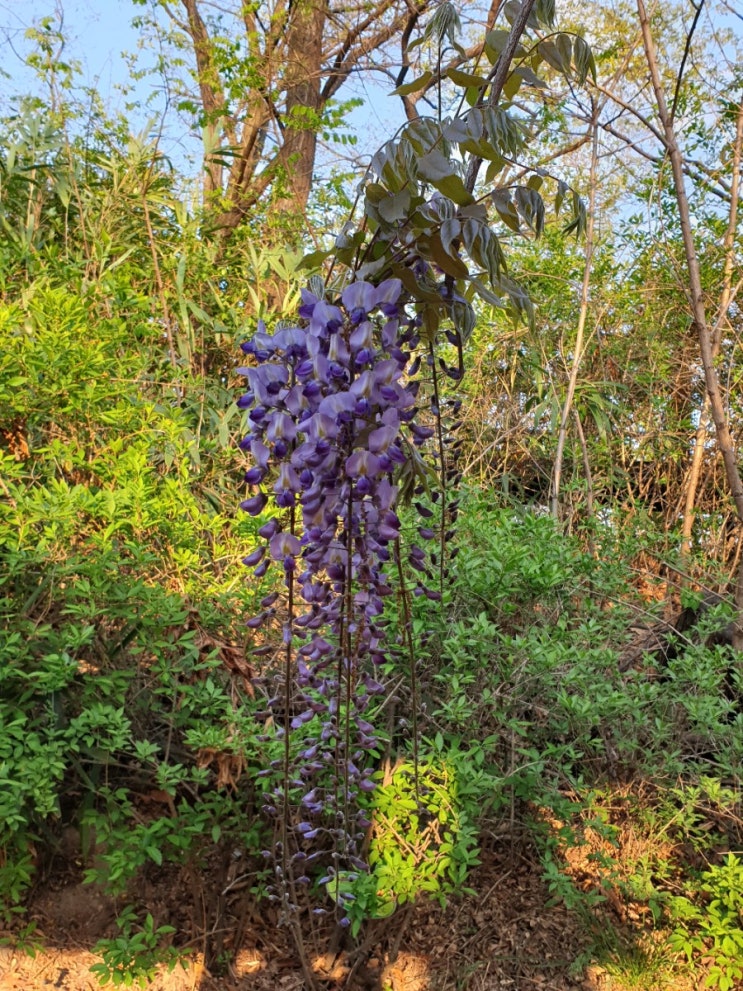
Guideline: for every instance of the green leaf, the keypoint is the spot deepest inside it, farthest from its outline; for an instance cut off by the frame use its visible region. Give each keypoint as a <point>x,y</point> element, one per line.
<point>314,259</point>
<point>476,211</point>
<point>475,124</point>
<point>512,85</point>
<point>564,44</point>
<point>552,56</point>
<point>422,135</point>
<point>450,231</point>
<point>486,294</point>
<point>506,210</point>
<point>395,207</point>
<point>414,85</point>
<point>456,130</point>
<point>154,853</point>
<point>466,78</point>
<point>531,207</point>
<point>464,319</point>
<point>383,909</point>
<point>495,167</point>
<point>584,60</point>
<point>545,12</point>
<point>413,285</point>
<point>562,190</point>
<point>530,77</point>
<point>471,229</point>
<point>450,264</point>
<point>495,42</point>
<point>434,167</point>
<point>453,188</point>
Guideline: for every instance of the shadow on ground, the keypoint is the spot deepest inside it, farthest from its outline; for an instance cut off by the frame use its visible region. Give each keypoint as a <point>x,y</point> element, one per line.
<point>505,937</point>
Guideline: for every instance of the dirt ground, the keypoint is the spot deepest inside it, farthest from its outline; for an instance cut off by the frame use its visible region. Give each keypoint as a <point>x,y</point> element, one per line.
<point>508,936</point>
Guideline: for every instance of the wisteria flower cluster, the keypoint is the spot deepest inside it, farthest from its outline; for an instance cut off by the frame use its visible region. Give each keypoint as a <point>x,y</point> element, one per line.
<point>332,413</point>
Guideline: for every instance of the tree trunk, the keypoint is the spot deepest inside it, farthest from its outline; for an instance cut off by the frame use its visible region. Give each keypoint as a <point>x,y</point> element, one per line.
<point>304,104</point>
<point>696,302</point>
<point>700,439</point>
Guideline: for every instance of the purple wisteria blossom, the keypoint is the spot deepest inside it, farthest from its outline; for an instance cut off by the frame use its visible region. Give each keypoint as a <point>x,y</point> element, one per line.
<point>330,411</point>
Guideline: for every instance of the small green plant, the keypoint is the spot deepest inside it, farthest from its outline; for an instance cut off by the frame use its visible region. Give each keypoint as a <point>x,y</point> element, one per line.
<point>423,835</point>
<point>24,940</point>
<point>135,954</point>
<point>715,929</point>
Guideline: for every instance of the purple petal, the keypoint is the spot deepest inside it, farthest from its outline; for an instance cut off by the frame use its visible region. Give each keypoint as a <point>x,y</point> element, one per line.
<point>360,296</point>
<point>284,544</point>
<point>255,504</point>
<point>380,439</point>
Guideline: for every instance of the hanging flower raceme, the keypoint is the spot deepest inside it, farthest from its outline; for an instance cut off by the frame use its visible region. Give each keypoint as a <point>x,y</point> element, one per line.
<point>331,414</point>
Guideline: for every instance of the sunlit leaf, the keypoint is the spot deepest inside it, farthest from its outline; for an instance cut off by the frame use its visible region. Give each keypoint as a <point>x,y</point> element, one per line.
<point>449,232</point>
<point>395,207</point>
<point>454,188</point>
<point>314,259</point>
<point>434,167</point>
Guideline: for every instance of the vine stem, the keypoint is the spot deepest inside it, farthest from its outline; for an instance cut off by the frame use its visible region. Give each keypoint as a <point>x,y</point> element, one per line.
<point>499,77</point>
<point>408,636</point>
<point>443,466</point>
<point>287,879</point>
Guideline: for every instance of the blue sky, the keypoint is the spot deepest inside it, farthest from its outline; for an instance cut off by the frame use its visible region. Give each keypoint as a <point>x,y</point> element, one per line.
<point>98,31</point>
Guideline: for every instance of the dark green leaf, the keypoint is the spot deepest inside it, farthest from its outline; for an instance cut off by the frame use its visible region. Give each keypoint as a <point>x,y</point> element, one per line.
<point>506,210</point>
<point>531,207</point>
<point>415,85</point>
<point>530,77</point>
<point>466,78</point>
<point>564,44</point>
<point>584,60</point>
<point>450,264</point>
<point>562,190</point>
<point>551,55</point>
<point>314,259</point>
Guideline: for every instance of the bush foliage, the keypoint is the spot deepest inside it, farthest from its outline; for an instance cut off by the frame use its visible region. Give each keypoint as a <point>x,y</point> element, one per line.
<point>137,704</point>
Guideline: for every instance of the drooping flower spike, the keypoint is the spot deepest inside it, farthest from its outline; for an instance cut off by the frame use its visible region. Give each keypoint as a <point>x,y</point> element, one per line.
<point>331,414</point>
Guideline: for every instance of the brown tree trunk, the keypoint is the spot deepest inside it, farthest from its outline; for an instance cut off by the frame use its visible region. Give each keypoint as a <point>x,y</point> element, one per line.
<point>696,302</point>
<point>700,439</point>
<point>304,103</point>
<point>212,97</point>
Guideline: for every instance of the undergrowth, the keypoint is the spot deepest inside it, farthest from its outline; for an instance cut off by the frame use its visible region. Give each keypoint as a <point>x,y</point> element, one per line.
<point>138,708</point>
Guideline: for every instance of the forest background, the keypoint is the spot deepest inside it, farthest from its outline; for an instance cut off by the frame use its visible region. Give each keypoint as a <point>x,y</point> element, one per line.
<point>585,576</point>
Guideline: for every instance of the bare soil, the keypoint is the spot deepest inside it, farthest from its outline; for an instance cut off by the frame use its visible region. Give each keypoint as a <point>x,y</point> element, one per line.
<point>508,936</point>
